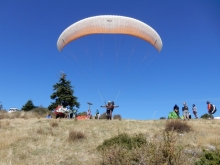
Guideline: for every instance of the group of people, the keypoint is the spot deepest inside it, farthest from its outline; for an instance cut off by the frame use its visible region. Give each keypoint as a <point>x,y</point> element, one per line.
<point>89,114</point>
<point>185,111</point>
<point>109,109</point>
<point>211,110</point>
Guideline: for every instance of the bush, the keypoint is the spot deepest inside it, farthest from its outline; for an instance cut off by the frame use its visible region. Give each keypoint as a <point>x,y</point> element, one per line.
<point>206,116</point>
<point>126,149</point>
<point>117,116</point>
<point>76,136</point>
<point>125,141</point>
<point>209,157</point>
<point>103,116</point>
<point>53,124</point>
<point>178,126</point>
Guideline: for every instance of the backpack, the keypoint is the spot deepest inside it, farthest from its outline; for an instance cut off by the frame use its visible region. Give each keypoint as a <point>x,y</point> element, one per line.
<point>213,109</point>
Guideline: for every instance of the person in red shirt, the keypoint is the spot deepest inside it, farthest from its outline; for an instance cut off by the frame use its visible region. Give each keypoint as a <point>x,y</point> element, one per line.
<point>211,109</point>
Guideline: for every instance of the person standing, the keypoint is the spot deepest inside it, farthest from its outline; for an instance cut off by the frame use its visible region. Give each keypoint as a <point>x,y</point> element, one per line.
<point>185,110</point>
<point>109,109</point>
<point>97,114</point>
<point>211,109</point>
<point>194,109</point>
<point>89,114</point>
<point>74,113</point>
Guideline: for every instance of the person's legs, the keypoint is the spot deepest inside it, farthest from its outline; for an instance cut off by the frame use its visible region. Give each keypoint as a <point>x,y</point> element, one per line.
<point>211,116</point>
<point>195,114</point>
<point>108,114</point>
<point>186,114</point>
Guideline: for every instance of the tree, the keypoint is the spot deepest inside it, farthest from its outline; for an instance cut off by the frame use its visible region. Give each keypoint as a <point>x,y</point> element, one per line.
<point>28,106</point>
<point>63,94</point>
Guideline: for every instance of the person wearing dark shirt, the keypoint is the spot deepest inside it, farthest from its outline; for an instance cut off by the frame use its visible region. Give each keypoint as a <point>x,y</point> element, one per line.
<point>185,110</point>
<point>176,109</point>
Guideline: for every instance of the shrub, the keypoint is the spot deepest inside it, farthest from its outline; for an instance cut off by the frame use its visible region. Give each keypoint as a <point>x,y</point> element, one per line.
<point>40,131</point>
<point>209,157</point>
<point>103,116</point>
<point>117,116</point>
<point>76,135</point>
<point>125,141</point>
<point>53,124</point>
<point>125,149</point>
<point>178,126</point>
<point>205,116</point>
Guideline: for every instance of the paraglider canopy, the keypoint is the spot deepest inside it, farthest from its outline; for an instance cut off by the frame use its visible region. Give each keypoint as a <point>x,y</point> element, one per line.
<point>109,24</point>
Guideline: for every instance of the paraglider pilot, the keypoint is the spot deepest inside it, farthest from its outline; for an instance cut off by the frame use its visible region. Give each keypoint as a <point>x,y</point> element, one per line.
<point>109,109</point>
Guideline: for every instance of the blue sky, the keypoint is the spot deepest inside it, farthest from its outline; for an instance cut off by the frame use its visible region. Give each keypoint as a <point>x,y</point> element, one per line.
<point>144,83</point>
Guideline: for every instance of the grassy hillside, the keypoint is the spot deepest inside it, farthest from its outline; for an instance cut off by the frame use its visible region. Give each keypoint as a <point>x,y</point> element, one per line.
<point>35,140</point>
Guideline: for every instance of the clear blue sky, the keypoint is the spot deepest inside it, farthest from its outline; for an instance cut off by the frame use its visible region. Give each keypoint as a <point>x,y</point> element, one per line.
<point>186,70</point>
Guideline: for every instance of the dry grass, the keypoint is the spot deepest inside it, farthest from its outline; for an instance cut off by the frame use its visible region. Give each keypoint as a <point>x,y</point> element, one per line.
<point>23,115</point>
<point>47,141</point>
<point>4,124</point>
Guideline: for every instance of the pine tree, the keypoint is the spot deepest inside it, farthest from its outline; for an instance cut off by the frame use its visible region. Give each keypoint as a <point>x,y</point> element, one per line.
<point>63,94</point>
<point>28,106</point>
